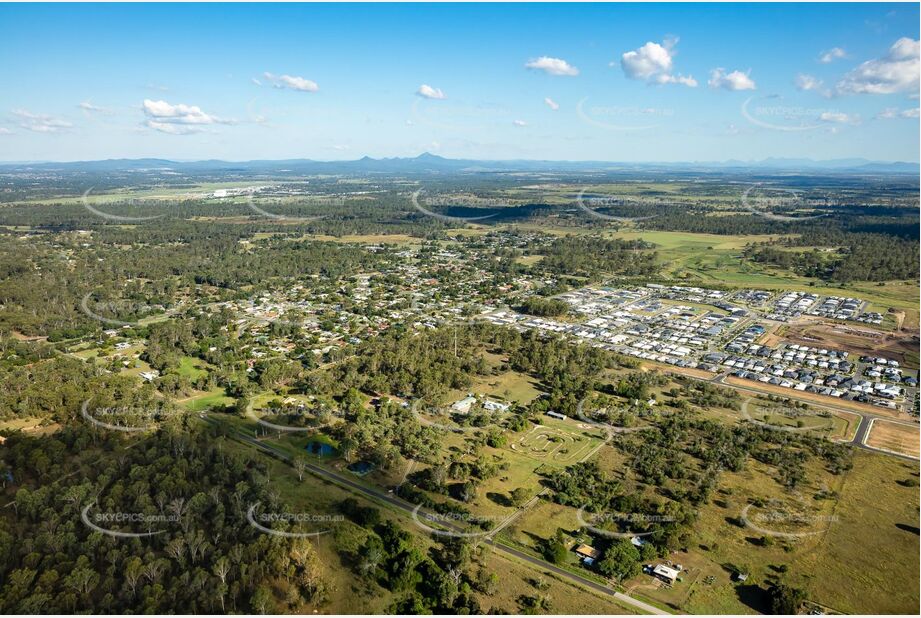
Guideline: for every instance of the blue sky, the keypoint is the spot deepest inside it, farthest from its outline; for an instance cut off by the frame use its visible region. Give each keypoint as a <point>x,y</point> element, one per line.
<point>636,82</point>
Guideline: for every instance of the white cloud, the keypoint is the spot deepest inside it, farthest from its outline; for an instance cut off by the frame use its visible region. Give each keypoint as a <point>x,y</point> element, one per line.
<point>428,92</point>
<point>256,81</point>
<point>892,112</point>
<point>653,62</point>
<point>40,123</point>
<point>840,118</point>
<point>173,129</point>
<point>676,79</point>
<point>5,131</point>
<point>519,123</point>
<point>807,82</point>
<point>179,119</point>
<point>831,55</point>
<point>86,106</point>
<point>735,80</point>
<point>896,72</point>
<point>291,82</point>
<point>551,103</point>
<point>553,66</point>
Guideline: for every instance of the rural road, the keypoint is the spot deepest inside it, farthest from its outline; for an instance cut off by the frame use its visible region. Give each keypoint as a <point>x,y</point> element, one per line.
<point>408,508</point>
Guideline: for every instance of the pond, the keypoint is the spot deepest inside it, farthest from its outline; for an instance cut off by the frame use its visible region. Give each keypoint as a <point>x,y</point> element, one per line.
<point>322,449</point>
<point>361,468</point>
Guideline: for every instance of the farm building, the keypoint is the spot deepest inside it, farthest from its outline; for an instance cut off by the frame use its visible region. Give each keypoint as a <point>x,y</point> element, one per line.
<point>666,574</point>
<point>588,552</point>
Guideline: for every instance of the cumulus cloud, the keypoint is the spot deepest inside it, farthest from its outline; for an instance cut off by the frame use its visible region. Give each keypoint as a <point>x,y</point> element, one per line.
<point>519,123</point>
<point>895,72</point>
<point>734,80</point>
<point>892,112</point>
<point>552,66</point>
<point>830,55</point>
<point>839,118</point>
<point>653,63</point>
<point>179,119</point>
<point>807,82</point>
<point>428,92</point>
<point>40,123</point>
<point>551,103</point>
<point>291,82</point>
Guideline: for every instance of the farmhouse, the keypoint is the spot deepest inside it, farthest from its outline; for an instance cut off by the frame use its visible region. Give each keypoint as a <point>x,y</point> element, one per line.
<point>666,574</point>
<point>588,553</point>
<point>463,406</point>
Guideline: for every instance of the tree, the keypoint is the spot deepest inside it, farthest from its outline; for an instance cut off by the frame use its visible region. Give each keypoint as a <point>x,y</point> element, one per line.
<point>300,466</point>
<point>785,599</point>
<point>519,496</point>
<point>555,549</point>
<point>262,600</point>
<point>621,560</point>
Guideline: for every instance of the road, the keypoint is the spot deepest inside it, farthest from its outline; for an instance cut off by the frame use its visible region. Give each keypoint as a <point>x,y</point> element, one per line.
<point>408,508</point>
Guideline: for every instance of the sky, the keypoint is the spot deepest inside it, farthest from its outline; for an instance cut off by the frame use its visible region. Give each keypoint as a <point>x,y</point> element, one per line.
<point>603,82</point>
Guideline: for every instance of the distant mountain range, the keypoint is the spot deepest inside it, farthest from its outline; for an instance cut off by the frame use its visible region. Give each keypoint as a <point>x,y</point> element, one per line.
<point>430,163</point>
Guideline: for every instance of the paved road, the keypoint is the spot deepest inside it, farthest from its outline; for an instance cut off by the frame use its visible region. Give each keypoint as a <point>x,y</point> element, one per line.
<point>407,507</point>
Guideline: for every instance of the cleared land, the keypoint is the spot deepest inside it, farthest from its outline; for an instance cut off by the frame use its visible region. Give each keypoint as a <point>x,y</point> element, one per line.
<point>895,437</point>
<point>857,339</point>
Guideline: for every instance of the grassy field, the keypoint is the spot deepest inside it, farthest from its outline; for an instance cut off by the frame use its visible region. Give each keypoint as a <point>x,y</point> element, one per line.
<point>895,437</point>
<point>204,400</point>
<point>349,595</point>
